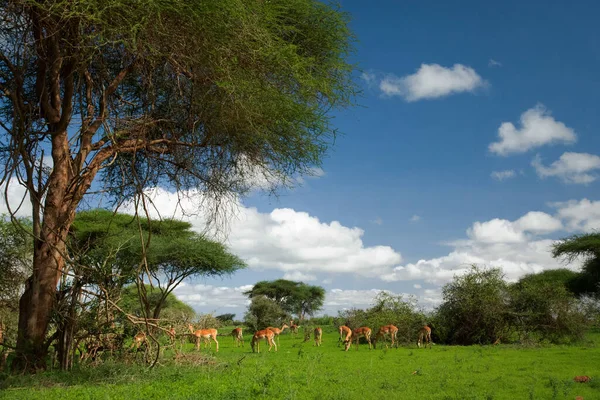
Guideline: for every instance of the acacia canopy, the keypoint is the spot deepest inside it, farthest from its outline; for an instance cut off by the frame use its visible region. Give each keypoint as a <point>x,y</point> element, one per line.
<point>192,94</point>
<point>172,251</point>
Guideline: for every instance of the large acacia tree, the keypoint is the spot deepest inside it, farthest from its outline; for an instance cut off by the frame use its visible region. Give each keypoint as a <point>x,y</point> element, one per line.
<point>189,93</point>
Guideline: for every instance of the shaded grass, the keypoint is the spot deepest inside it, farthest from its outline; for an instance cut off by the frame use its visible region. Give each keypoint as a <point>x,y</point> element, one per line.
<point>301,371</point>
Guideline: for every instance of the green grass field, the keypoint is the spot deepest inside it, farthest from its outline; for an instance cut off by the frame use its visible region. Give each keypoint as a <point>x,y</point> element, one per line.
<point>301,371</point>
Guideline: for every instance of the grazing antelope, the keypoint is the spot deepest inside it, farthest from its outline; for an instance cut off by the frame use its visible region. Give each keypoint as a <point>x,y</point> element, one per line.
<point>238,337</point>
<point>318,336</point>
<point>386,330</point>
<point>425,332</point>
<point>206,334</point>
<point>266,334</point>
<point>363,331</point>
<point>345,332</point>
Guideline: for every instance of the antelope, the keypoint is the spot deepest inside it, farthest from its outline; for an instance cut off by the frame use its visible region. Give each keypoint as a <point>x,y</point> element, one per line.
<point>207,334</point>
<point>362,331</point>
<point>138,339</point>
<point>390,330</point>
<point>266,334</point>
<point>238,338</point>
<point>344,332</point>
<point>318,336</point>
<point>277,331</point>
<point>425,332</point>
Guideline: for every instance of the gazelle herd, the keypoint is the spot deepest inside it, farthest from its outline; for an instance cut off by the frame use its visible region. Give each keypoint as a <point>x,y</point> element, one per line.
<point>347,336</point>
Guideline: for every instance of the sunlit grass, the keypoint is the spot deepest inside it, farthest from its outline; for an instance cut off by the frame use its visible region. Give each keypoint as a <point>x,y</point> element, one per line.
<point>302,371</point>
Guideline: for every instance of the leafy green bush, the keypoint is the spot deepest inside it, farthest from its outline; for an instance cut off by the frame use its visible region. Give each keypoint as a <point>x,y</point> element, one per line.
<point>264,312</point>
<point>475,309</point>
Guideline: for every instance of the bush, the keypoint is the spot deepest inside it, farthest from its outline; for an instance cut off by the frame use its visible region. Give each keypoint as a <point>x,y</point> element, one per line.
<point>475,309</point>
<point>546,310</point>
<point>388,309</point>
<point>263,312</point>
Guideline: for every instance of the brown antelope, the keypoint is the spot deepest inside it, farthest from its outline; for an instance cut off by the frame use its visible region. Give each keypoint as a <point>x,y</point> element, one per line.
<point>318,336</point>
<point>363,331</point>
<point>266,334</point>
<point>205,334</point>
<point>138,340</point>
<point>425,332</point>
<point>238,337</point>
<point>277,331</point>
<point>387,330</point>
<point>344,332</point>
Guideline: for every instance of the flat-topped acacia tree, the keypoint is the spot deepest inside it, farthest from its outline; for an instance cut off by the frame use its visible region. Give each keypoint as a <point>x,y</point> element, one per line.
<point>192,94</point>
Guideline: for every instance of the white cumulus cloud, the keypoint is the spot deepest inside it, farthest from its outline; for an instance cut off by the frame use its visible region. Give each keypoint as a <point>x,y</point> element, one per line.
<point>503,175</point>
<point>582,215</point>
<point>570,167</point>
<point>287,240</point>
<point>514,246</point>
<point>432,81</point>
<point>299,276</point>
<point>538,128</point>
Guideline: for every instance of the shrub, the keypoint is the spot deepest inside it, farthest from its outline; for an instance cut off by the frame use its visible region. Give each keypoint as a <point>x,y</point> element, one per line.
<point>475,308</point>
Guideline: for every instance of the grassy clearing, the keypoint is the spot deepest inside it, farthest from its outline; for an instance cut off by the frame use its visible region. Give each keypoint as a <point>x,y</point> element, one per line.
<point>301,371</point>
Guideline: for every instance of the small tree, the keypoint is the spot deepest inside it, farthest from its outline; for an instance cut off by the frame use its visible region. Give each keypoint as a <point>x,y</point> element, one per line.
<point>226,319</point>
<point>263,312</point>
<point>475,308</point>
<point>293,297</point>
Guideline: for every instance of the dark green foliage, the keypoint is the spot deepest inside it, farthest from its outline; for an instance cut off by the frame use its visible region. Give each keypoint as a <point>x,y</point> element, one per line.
<point>475,308</point>
<point>587,248</point>
<point>226,319</point>
<point>480,307</point>
<point>293,297</point>
<point>209,87</point>
<point>263,312</point>
<point>542,308</point>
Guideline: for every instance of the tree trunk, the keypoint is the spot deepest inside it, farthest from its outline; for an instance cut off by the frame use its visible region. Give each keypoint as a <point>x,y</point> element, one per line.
<point>35,308</point>
<point>67,327</point>
<point>38,300</point>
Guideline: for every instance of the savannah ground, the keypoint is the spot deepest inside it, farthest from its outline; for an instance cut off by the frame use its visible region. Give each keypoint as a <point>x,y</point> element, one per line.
<point>301,371</point>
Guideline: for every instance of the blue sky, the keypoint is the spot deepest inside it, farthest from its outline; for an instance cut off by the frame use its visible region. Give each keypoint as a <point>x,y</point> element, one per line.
<point>413,169</point>
<point>403,155</point>
<point>399,158</point>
